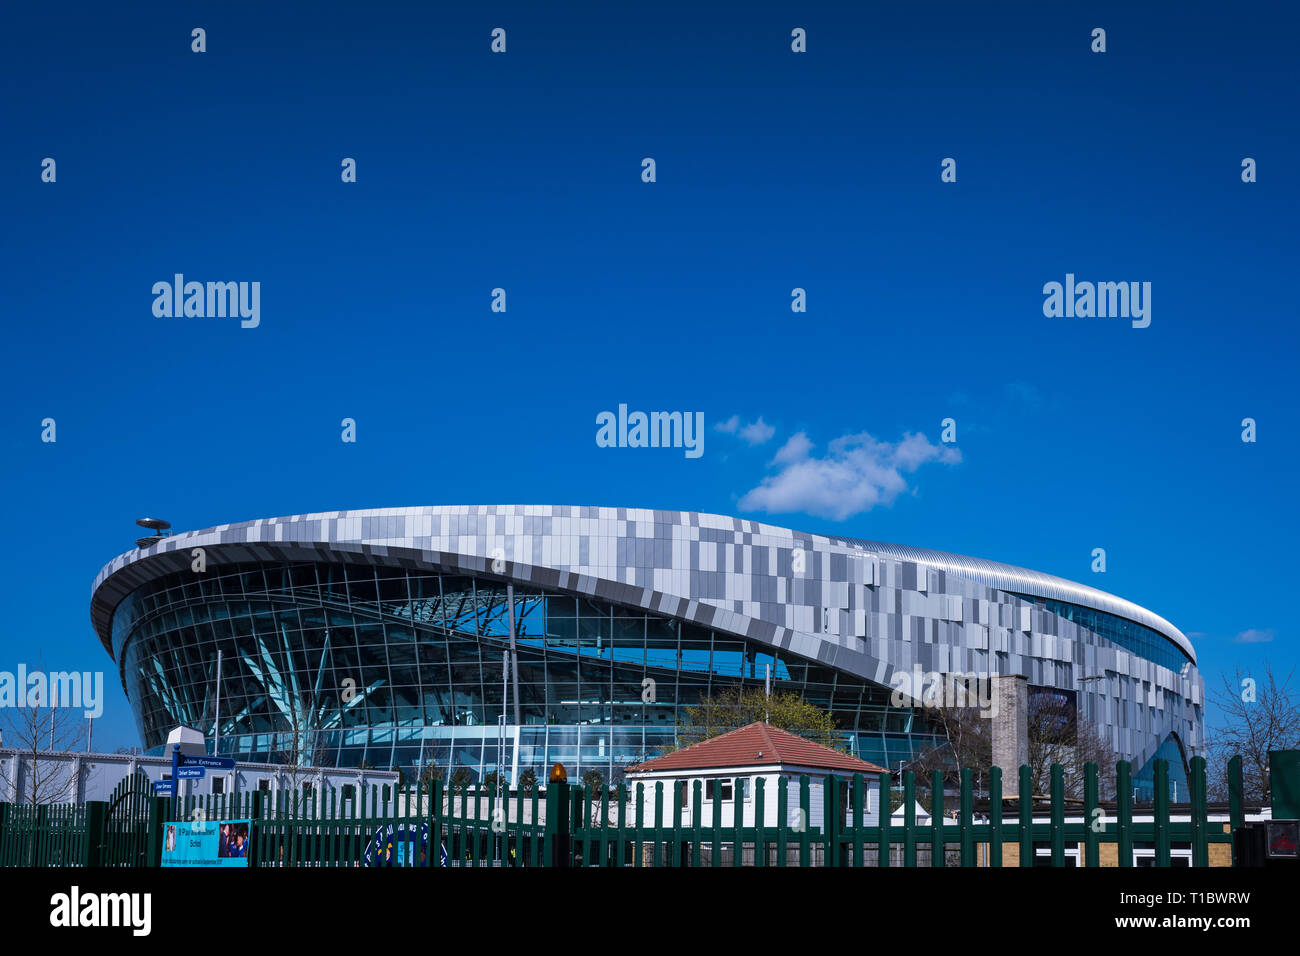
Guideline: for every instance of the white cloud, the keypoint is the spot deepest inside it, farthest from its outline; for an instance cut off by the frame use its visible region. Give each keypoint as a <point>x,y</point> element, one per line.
<point>755,433</point>
<point>857,474</point>
<point>1255,636</point>
<point>795,448</point>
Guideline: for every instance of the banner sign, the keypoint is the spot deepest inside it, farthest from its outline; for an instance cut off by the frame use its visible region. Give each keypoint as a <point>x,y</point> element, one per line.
<point>212,763</point>
<point>392,846</point>
<point>206,843</point>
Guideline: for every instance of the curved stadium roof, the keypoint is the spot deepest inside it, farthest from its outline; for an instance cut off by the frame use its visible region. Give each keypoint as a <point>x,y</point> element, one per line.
<point>632,556</point>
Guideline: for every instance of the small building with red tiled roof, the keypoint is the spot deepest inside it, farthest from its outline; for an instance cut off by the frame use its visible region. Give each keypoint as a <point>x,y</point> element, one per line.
<point>728,769</point>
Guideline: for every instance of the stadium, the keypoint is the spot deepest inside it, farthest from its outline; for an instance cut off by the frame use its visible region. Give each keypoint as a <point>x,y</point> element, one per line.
<point>376,638</point>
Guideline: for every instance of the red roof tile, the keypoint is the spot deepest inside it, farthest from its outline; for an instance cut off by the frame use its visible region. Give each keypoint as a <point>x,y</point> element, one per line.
<point>756,744</point>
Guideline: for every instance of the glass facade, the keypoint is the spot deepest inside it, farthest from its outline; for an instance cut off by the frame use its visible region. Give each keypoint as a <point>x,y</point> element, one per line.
<point>1141,640</point>
<point>351,664</point>
<point>1144,781</point>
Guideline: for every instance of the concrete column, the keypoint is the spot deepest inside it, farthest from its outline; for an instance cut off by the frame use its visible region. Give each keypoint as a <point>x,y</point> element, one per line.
<point>1011,728</point>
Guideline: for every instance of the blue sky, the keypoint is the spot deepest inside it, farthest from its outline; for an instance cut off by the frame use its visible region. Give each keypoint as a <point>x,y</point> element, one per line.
<point>775,170</point>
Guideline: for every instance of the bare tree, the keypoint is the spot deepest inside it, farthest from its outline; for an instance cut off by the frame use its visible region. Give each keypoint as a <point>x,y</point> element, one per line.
<point>969,745</point>
<point>299,749</point>
<point>33,731</point>
<point>1056,735</point>
<point>1259,714</point>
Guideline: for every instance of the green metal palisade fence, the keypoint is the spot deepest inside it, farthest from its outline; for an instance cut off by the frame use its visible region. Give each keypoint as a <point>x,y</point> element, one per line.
<point>574,826</point>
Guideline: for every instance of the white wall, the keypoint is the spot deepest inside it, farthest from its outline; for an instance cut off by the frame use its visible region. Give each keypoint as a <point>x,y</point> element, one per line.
<point>770,776</point>
<point>97,775</point>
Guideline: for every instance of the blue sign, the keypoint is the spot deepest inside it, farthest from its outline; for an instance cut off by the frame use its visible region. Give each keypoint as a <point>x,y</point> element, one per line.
<point>164,788</point>
<point>392,846</point>
<point>190,773</point>
<point>214,763</point>
<point>206,843</point>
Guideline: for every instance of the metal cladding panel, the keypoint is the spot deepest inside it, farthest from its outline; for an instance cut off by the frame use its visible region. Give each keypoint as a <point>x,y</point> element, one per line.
<point>772,585</point>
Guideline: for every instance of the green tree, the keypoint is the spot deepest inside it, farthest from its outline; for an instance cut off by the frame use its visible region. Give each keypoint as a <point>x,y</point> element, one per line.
<point>739,706</point>
<point>494,781</point>
<point>527,781</point>
<point>593,780</point>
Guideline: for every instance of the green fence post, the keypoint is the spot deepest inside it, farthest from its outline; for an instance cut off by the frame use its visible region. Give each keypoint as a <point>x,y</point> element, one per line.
<point>435,823</point>
<point>1200,815</point>
<point>659,824</point>
<point>831,820</point>
<point>6,847</point>
<point>715,859</point>
<point>994,857</point>
<point>805,819</point>
<point>329,830</point>
<point>1162,813</point>
<point>697,821</point>
<point>557,824</point>
<point>92,850</point>
<point>936,819</point>
<point>638,851</point>
<point>1236,801</point>
<point>1091,850</point>
<point>480,852</point>
<point>782,818</point>
<point>967,815</point>
<point>884,807</point>
<point>909,818</point>
<point>606,831</point>
<point>620,839</point>
<point>858,796</point>
<point>493,854</point>
<point>675,856</point>
<point>535,827</point>
<point>256,843</point>
<point>760,824</point>
<point>738,820</point>
<point>1026,817</point>
<point>41,837</point>
<point>1058,815</point>
<point>158,808</point>
<point>584,833</point>
<point>1124,812</point>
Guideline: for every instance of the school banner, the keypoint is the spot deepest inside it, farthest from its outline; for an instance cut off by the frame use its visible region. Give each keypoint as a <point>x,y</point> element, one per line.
<point>206,843</point>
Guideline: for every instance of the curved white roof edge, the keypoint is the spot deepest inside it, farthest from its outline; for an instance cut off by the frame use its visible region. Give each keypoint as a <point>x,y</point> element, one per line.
<point>993,574</point>
<point>1008,577</point>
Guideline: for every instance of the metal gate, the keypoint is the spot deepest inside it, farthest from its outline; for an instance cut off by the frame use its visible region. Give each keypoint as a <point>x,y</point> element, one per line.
<point>125,839</point>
